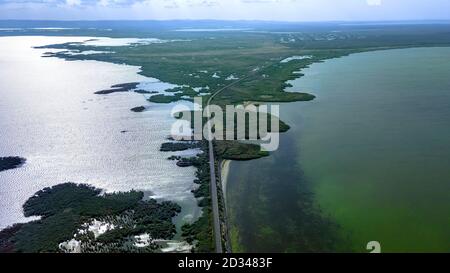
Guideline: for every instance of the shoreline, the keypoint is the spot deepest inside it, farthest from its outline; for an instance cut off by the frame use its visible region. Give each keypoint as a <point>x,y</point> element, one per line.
<point>224,172</point>
<point>225,164</point>
<point>301,75</point>
<point>191,205</point>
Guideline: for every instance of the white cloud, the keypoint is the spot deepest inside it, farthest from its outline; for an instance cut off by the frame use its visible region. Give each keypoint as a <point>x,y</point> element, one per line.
<point>73,3</point>
<point>104,3</point>
<point>374,2</point>
<point>279,10</point>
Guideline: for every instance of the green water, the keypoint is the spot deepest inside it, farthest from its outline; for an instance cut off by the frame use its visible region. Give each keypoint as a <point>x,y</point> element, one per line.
<point>372,152</point>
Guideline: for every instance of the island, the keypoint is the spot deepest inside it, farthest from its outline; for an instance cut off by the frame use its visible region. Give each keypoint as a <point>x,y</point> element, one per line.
<point>248,67</point>
<point>138,109</point>
<point>8,163</point>
<point>123,87</point>
<point>69,213</point>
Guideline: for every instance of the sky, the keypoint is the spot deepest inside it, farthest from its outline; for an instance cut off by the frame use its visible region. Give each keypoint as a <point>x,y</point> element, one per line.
<point>273,10</point>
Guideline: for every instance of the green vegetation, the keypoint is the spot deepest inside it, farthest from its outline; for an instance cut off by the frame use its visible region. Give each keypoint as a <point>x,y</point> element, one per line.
<point>140,91</point>
<point>178,93</point>
<point>200,233</point>
<point>138,109</point>
<point>183,90</point>
<point>81,199</point>
<point>255,58</point>
<point>188,162</point>
<point>205,59</point>
<point>123,87</point>
<point>66,207</point>
<point>201,63</point>
<point>282,127</point>
<point>179,146</point>
<point>160,98</point>
<point>7,163</point>
<point>234,150</point>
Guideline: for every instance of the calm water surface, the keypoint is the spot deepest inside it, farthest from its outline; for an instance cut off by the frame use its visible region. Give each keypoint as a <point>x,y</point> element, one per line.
<point>50,115</point>
<point>373,148</point>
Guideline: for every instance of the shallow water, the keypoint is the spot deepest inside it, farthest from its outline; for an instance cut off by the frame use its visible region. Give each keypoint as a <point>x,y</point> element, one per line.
<point>50,115</point>
<point>374,149</point>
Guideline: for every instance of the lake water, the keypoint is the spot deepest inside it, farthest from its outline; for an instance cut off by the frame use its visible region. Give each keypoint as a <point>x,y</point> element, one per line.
<point>50,115</point>
<point>372,152</point>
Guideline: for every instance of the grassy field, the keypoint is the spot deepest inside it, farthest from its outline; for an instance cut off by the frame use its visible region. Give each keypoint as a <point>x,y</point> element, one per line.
<point>213,59</point>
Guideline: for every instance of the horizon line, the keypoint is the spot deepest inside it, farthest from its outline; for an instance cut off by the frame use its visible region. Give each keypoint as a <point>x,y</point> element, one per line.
<point>228,20</point>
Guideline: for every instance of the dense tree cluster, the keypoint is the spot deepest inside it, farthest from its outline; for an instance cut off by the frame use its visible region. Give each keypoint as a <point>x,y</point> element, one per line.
<point>65,208</point>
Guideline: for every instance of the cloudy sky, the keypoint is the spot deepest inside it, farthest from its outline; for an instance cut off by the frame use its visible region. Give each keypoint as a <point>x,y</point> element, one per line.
<point>280,10</point>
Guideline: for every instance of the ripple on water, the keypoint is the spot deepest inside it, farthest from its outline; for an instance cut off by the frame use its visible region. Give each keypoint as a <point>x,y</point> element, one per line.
<point>50,115</point>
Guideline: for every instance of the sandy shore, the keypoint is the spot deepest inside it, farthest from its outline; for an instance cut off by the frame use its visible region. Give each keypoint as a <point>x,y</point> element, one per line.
<point>225,168</point>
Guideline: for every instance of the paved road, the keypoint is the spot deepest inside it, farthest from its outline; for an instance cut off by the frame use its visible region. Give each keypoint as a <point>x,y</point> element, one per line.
<point>215,200</point>
<point>214,195</point>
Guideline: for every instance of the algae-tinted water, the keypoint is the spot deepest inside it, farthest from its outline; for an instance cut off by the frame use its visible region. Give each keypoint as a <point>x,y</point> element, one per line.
<point>372,151</point>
